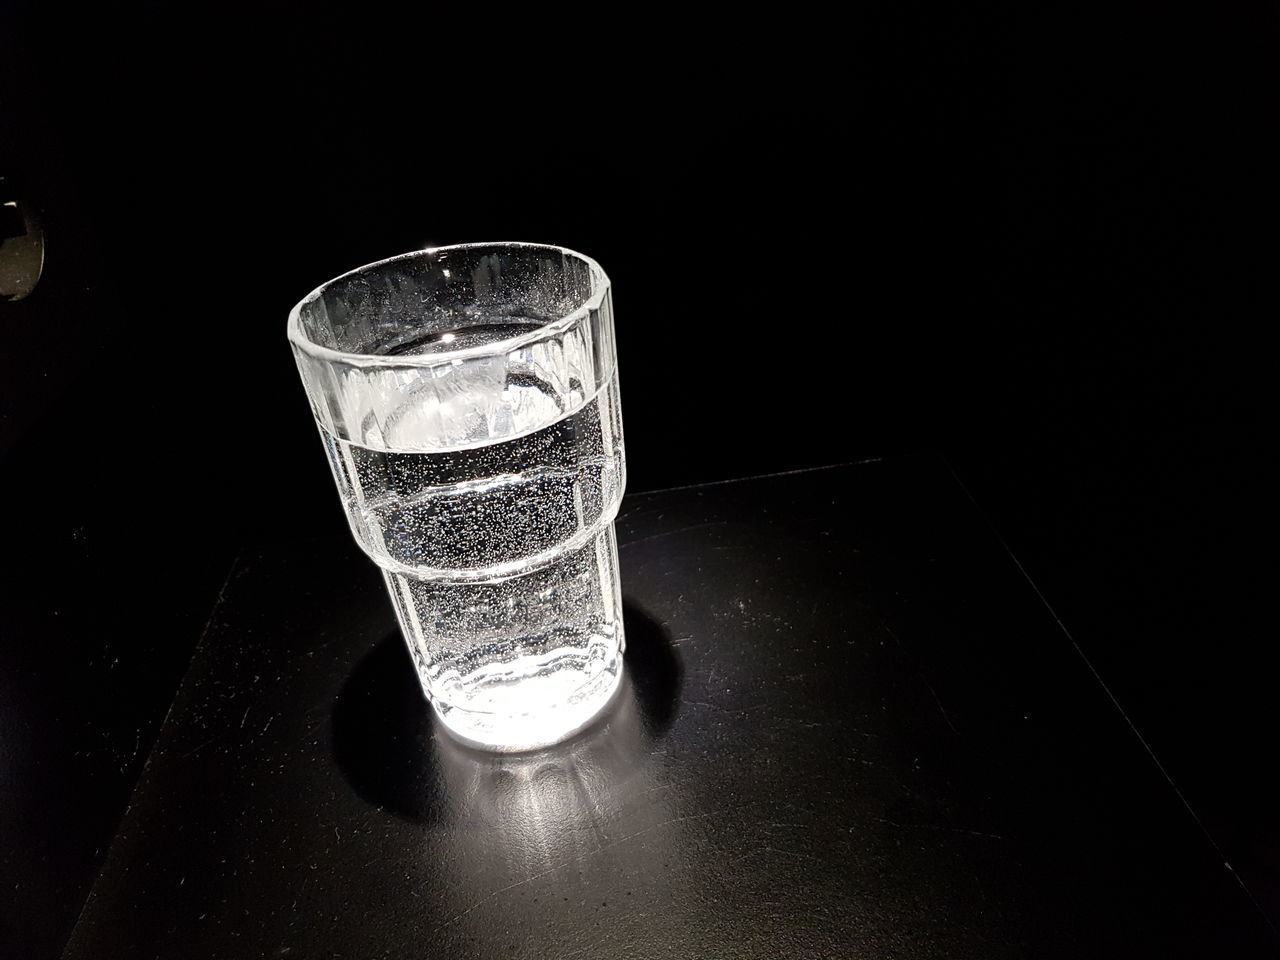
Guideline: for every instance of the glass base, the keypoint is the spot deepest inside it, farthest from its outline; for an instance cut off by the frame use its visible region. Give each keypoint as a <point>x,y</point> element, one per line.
<point>519,662</point>
<point>534,712</point>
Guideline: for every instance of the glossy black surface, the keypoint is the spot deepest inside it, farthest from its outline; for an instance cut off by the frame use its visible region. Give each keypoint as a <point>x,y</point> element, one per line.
<point>850,728</point>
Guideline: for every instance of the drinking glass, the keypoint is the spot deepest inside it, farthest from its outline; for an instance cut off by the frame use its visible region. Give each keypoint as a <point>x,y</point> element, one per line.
<point>467,397</point>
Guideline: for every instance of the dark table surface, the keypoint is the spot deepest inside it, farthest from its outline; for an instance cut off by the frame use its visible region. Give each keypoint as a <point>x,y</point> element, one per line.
<point>850,727</point>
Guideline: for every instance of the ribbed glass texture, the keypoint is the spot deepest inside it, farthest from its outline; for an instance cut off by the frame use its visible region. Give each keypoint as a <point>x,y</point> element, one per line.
<point>467,398</point>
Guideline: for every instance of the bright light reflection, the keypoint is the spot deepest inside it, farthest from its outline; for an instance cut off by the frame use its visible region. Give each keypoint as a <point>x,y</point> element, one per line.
<point>557,826</point>
<point>545,804</point>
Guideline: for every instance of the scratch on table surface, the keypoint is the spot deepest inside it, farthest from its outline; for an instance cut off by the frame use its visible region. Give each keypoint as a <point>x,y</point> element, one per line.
<point>703,703</point>
<point>934,826</point>
<point>312,651</point>
<point>672,532</point>
<point>739,712</point>
<point>785,853</point>
<point>790,853</point>
<point>301,890</point>
<point>586,856</point>
<point>889,630</point>
<point>632,498</point>
<point>137,748</point>
<point>941,709</point>
<point>194,750</point>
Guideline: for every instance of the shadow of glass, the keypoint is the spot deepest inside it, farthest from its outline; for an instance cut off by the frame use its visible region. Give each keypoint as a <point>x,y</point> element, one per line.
<point>394,755</point>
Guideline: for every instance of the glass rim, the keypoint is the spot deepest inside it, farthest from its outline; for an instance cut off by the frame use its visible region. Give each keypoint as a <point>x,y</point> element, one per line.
<point>600,289</point>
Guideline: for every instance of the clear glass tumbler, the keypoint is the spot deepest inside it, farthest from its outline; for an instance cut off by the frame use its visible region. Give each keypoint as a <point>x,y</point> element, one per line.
<point>467,397</point>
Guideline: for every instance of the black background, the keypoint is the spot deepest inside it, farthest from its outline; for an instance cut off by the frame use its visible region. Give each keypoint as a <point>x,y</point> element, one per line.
<point>1043,245</point>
